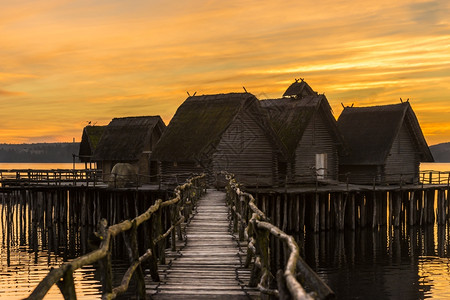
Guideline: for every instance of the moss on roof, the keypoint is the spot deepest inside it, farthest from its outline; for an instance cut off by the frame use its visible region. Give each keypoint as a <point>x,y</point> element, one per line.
<point>289,118</point>
<point>94,133</point>
<point>198,125</point>
<point>124,139</point>
<point>89,141</point>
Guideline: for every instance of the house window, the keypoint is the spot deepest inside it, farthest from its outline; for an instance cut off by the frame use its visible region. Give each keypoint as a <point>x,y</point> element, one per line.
<point>321,165</point>
<point>175,164</point>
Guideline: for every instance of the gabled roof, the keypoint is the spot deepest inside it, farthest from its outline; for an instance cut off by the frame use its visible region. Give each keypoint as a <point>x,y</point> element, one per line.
<point>290,117</point>
<point>369,132</point>
<point>124,139</point>
<point>299,89</point>
<point>199,123</point>
<point>89,141</point>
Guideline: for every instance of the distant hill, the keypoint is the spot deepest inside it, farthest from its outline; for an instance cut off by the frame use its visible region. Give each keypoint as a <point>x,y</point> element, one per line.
<point>38,153</point>
<point>441,152</point>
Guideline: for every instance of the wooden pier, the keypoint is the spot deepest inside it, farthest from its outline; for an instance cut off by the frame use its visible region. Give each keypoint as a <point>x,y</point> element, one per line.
<point>30,177</point>
<point>210,265</point>
<point>212,258</point>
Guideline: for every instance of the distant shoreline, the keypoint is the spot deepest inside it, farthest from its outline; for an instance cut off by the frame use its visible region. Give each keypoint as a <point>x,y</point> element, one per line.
<point>38,153</point>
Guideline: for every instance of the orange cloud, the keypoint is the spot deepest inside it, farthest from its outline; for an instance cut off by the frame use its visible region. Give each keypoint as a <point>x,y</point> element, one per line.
<point>68,62</point>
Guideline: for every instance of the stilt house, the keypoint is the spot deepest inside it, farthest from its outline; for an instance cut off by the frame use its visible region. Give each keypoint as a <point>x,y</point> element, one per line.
<point>89,141</point>
<point>386,144</point>
<point>130,140</point>
<point>213,133</point>
<point>304,123</point>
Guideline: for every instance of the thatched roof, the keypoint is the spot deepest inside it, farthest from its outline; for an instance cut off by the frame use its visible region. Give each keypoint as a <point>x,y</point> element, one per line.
<point>290,117</point>
<point>89,141</point>
<point>199,123</point>
<point>299,89</point>
<point>369,132</point>
<point>124,139</point>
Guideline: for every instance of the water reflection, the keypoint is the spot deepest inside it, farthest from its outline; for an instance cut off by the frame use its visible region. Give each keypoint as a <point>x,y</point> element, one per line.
<point>28,251</point>
<point>388,263</point>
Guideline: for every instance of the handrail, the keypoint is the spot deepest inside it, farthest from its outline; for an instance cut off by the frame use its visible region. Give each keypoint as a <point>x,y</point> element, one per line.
<point>255,227</point>
<point>50,176</point>
<point>185,195</point>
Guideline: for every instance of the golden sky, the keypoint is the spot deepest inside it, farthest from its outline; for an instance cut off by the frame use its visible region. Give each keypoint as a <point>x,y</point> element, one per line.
<point>64,63</point>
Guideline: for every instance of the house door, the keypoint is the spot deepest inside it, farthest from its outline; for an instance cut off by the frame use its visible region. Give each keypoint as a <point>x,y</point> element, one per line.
<point>321,165</point>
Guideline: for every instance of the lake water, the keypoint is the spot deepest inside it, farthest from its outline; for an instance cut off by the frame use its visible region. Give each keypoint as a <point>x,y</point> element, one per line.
<point>411,263</point>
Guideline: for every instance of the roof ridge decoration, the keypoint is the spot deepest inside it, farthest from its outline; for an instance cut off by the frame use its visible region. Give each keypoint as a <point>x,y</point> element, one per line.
<point>299,89</point>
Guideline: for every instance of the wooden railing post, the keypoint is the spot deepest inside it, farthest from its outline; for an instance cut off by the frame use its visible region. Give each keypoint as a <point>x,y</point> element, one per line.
<point>160,249</point>
<point>66,285</point>
<point>133,254</point>
<point>105,263</point>
<point>262,248</point>
<point>152,261</point>
<point>173,220</point>
<point>240,210</point>
<point>235,218</point>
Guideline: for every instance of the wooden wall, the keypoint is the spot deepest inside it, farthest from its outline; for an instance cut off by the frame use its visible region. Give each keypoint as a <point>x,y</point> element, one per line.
<point>402,164</point>
<point>246,151</point>
<point>316,139</point>
<point>361,174</point>
<point>402,160</point>
<point>177,174</point>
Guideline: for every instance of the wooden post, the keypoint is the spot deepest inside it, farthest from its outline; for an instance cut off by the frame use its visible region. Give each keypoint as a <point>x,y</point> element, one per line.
<point>262,244</point>
<point>242,213</point>
<point>374,210</point>
<point>350,211</point>
<point>160,245</point>
<point>316,213</point>
<point>67,286</point>
<point>302,212</point>
<point>440,209</point>
<point>363,210</point>
<point>430,208</point>
<point>323,211</point>
<point>281,285</point>
<point>277,221</point>
<point>285,212</point>
<point>173,220</point>
<point>339,206</point>
<point>83,208</point>
<point>412,208</point>
<point>397,208</point>
<point>105,263</point>
<point>133,254</point>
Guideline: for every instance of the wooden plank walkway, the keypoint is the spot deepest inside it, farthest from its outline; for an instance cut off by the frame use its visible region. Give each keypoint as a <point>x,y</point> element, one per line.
<point>210,265</point>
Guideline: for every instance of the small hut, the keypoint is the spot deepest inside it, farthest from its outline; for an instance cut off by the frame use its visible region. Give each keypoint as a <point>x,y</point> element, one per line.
<point>89,141</point>
<point>304,122</point>
<point>386,144</point>
<point>130,140</point>
<point>223,132</point>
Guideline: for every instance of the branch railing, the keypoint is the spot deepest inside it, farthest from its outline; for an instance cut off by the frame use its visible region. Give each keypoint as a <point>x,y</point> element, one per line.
<point>254,227</point>
<point>181,206</point>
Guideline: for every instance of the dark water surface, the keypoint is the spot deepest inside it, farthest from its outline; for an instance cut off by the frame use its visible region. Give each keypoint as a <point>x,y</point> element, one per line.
<point>411,263</point>
<point>26,257</point>
<point>407,263</point>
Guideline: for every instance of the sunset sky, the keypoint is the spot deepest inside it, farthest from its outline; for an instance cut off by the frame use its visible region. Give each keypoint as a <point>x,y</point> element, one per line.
<point>65,63</point>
